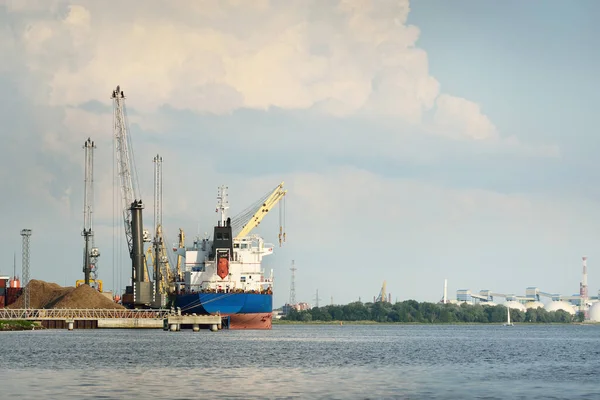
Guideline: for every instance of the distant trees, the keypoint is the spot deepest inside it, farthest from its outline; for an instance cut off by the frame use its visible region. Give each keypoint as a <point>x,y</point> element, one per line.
<point>412,311</point>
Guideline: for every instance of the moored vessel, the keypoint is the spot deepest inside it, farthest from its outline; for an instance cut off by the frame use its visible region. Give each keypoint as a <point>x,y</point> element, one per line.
<point>223,274</point>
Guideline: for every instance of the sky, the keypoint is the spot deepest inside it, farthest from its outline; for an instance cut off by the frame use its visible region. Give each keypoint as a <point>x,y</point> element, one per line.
<point>418,141</point>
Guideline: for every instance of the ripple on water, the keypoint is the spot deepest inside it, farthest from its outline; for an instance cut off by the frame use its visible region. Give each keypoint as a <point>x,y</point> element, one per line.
<point>329,362</point>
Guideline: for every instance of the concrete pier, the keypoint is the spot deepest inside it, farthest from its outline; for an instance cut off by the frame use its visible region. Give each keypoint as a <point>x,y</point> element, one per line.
<point>174,323</point>
<point>130,323</point>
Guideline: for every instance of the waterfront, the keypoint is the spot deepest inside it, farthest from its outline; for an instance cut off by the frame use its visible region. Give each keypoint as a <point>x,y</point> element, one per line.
<point>304,361</point>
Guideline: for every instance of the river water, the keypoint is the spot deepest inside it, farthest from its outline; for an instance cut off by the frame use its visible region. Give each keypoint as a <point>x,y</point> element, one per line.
<point>307,362</point>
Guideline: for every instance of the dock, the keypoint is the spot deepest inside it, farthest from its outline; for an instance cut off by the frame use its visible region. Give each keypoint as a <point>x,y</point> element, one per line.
<point>174,323</point>
<point>63,318</point>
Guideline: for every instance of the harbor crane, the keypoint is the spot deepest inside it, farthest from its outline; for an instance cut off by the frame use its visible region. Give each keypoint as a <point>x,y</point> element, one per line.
<point>163,275</point>
<point>142,292</point>
<point>90,251</point>
<point>383,297</point>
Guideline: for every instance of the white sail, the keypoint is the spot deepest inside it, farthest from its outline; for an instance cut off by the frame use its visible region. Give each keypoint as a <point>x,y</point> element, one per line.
<point>508,323</point>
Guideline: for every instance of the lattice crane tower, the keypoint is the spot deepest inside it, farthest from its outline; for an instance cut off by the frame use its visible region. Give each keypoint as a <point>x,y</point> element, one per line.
<point>26,234</point>
<point>158,191</point>
<point>162,274</point>
<point>90,252</point>
<point>293,285</point>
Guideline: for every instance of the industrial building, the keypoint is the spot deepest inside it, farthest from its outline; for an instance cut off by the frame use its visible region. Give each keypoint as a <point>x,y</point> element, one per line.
<point>580,302</point>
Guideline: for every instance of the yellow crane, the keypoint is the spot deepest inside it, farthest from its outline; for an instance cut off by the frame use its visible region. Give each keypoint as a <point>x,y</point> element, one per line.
<point>267,205</point>
<point>166,276</point>
<point>179,257</point>
<point>382,297</point>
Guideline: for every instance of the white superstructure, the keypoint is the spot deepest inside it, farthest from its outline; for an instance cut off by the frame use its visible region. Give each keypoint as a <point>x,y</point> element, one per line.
<point>244,266</point>
<point>245,270</point>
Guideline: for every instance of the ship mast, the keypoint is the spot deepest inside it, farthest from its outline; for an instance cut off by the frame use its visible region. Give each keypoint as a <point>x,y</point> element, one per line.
<point>222,204</point>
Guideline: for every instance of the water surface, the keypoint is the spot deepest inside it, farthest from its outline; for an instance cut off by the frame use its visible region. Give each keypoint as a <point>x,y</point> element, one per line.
<point>306,361</point>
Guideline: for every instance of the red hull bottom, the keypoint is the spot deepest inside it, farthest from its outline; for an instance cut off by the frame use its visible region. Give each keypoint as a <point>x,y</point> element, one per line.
<point>251,321</point>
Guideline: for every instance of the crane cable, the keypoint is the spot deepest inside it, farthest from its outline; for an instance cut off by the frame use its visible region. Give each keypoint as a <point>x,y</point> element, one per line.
<point>243,218</point>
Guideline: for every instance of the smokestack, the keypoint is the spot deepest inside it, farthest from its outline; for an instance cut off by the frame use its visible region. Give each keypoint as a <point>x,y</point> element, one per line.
<point>583,291</point>
<point>445,291</point>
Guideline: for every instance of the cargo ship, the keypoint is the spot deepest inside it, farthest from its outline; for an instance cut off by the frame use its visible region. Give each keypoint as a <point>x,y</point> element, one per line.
<point>223,274</point>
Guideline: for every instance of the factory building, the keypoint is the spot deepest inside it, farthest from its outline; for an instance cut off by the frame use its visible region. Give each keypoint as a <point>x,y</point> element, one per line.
<point>579,302</point>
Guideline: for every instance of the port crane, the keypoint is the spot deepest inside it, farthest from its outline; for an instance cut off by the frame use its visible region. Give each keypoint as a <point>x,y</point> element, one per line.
<point>382,297</point>
<point>163,274</point>
<point>251,217</point>
<point>157,256</point>
<point>90,251</point>
<point>141,292</point>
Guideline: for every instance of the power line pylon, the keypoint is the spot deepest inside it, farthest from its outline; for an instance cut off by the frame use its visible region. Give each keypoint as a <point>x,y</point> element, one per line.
<point>26,234</point>
<point>293,285</point>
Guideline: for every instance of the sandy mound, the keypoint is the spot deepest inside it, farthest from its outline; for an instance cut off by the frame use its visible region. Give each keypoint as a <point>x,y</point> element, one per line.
<point>42,294</point>
<point>50,295</point>
<point>85,297</point>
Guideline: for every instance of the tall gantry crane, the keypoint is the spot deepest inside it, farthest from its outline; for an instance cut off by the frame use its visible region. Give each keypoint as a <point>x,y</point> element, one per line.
<point>90,252</point>
<point>162,270</point>
<point>142,291</point>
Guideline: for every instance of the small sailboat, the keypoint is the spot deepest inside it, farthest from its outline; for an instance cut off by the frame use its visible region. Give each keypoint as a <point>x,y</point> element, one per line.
<point>508,323</point>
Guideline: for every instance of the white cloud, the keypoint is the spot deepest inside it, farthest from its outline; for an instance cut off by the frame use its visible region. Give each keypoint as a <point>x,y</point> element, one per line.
<point>347,58</point>
<point>218,56</point>
<point>460,117</point>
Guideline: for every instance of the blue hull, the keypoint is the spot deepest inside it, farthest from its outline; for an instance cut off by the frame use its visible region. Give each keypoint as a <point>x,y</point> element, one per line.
<point>224,303</point>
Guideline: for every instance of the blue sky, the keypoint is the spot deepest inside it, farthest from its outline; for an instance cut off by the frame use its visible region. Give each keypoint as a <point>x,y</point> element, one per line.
<point>530,64</point>
<point>453,141</point>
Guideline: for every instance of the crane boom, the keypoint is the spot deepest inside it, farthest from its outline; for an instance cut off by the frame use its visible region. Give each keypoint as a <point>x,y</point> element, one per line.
<point>141,292</point>
<point>270,202</point>
<point>128,190</point>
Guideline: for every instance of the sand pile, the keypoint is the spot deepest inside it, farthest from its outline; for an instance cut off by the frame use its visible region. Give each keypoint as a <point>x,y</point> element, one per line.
<point>42,294</point>
<point>50,295</point>
<point>86,297</point>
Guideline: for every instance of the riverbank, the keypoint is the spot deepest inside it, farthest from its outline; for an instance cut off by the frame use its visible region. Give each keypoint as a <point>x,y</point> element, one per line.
<point>285,322</point>
<point>18,325</point>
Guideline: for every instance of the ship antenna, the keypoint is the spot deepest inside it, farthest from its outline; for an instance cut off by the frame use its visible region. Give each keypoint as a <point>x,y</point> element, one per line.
<point>222,204</point>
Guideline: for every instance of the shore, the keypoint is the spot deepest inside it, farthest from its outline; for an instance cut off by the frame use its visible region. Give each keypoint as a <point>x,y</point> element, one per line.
<point>284,322</point>
<point>18,325</point>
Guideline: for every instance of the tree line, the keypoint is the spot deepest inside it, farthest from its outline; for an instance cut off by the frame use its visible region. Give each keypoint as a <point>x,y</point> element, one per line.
<point>412,311</point>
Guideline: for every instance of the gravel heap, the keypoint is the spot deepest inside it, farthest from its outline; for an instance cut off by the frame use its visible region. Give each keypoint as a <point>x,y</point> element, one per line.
<point>42,294</point>
<point>86,297</point>
<point>50,295</point>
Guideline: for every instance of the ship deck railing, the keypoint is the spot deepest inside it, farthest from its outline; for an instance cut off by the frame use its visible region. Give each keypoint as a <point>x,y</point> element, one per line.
<point>81,314</point>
